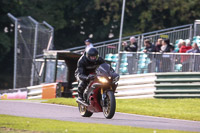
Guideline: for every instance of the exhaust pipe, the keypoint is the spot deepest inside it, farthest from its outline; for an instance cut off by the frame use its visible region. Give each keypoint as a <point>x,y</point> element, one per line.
<point>82,102</point>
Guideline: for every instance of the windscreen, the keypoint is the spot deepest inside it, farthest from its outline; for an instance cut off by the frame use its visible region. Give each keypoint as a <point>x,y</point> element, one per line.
<point>104,69</point>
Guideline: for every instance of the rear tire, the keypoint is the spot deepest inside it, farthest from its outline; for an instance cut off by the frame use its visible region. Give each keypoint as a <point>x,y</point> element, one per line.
<point>109,111</point>
<point>83,111</point>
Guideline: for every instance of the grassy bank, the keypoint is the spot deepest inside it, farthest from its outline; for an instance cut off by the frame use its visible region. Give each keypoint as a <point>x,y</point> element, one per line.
<point>188,109</point>
<point>13,124</point>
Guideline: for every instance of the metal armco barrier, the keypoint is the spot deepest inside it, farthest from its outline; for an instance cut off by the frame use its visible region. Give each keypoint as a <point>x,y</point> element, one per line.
<point>45,91</point>
<point>157,85</point>
<point>136,86</point>
<point>177,85</point>
<point>20,93</point>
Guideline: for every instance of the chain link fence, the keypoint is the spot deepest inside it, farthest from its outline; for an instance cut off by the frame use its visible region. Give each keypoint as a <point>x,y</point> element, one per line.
<point>31,38</point>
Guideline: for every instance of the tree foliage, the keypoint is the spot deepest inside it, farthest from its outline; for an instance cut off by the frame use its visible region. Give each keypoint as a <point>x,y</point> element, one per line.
<point>76,20</point>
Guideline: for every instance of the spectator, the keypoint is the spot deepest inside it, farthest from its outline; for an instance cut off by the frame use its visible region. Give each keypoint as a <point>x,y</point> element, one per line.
<point>166,47</point>
<point>131,46</point>
<point>158,56</point>
<point>158,45</point>
<point>195,49</point>
<point>88,44</point>
<point>149,47</point>
<point>183,47</point>
<point>179,46</point>
<point>184,58</point>
<point>188,45</point>
<point>165,64</point>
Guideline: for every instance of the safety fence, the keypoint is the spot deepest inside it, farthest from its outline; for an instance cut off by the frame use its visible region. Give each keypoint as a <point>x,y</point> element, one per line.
<point>140,62</point>
<point>31,39</point>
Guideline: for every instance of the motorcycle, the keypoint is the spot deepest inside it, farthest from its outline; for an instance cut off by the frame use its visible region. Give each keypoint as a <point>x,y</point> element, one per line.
<point>99,94</point>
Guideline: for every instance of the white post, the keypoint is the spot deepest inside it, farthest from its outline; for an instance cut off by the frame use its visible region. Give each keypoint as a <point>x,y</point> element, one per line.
<point>35,49</point>
<point>52,35</point>
<point>120,35</point>
<point>50,43</point>
<point>196,31</point>
<point>15,53</point>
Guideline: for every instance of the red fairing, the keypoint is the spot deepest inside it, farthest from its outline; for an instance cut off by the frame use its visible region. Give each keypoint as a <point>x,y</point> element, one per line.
<point>94,106</point>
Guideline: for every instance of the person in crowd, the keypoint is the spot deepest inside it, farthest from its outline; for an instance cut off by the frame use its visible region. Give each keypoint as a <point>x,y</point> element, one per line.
<point>88,44</point>
<point>184,58</point>
<point>195,49</point>
<point>149,47</point>
<point>166,46</point>
<point>158,56</point>
<point>165,64</point>
<point>158,45</point>
<point>131,46</point>
<point>188,45</point>
<point>86,65</point>
<point>179,46</point>
<point>184,47</point>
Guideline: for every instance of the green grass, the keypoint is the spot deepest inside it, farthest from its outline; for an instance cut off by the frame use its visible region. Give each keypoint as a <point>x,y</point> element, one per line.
<point>13,124</point>
<point>188,109</point>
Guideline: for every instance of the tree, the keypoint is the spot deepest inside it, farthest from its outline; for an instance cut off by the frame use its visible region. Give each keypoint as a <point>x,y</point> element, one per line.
<point>76,20</point>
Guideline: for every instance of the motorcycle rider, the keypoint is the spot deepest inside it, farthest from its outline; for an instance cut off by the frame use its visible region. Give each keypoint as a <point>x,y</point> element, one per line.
<point>86,65</point>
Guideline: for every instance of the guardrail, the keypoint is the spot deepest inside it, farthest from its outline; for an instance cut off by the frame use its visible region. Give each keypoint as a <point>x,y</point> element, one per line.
<point>136,86</point>
<point>20,93</point>
<point>157,85</point>
<point>45,91</point>
<point>177,85</point>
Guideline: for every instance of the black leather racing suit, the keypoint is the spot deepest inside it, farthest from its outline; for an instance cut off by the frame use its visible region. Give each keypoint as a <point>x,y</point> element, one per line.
<point>84,68</point>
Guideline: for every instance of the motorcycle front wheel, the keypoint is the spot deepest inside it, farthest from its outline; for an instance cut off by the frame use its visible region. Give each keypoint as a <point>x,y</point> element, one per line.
<point>109,109</point>
<point>83,111</point>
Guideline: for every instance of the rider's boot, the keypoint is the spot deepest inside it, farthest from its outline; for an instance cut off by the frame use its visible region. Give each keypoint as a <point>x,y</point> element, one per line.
<point>80,96</point>
<point>81,89</point>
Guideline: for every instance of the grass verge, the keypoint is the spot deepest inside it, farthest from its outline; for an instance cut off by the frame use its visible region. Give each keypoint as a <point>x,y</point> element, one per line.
<point>13,124</point>
<point>187,109</point>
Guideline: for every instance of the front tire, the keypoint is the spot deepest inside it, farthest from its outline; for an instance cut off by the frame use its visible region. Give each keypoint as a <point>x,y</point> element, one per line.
<point>83,111</point>
<point>109,110</point>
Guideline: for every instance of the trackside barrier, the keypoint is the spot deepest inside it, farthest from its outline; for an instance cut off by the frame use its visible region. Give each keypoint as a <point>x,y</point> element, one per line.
<point>157,85</point>
<point>132,86</point>
<point>20,93</point>
<point>177,85</point>
<point>136,86</point>
<point>45,91</point>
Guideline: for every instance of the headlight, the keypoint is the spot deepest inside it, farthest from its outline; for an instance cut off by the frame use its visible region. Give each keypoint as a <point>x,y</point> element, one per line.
<point>102,79</point>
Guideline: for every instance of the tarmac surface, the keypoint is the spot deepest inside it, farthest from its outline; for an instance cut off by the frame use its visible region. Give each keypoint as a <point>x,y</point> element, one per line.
<point>36,109</point>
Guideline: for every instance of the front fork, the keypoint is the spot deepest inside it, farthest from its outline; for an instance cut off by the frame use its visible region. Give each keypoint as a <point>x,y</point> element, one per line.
<point>103,97</point>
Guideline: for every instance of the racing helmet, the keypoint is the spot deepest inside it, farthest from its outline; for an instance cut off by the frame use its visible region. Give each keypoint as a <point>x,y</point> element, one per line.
<point>92,54</point>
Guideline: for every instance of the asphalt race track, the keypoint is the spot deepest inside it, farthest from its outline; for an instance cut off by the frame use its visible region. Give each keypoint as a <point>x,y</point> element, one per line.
<point>68,113</point>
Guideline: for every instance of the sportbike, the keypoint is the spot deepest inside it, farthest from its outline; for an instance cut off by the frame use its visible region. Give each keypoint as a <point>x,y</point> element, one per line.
<point>99,94</point>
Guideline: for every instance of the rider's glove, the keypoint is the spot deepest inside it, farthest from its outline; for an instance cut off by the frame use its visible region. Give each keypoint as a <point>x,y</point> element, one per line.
<point>90,77</point>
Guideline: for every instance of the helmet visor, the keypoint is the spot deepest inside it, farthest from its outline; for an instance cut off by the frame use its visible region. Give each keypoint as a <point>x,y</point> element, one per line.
<point>93,58</point>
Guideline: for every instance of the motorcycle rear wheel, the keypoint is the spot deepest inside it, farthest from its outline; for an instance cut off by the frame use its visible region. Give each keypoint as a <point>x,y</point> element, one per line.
<point>109,110</point>
<point>83,111</point>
